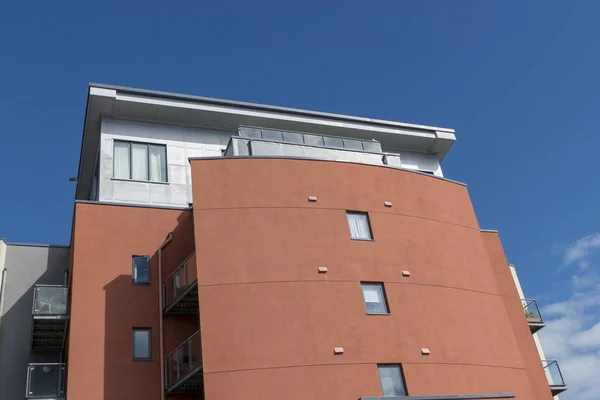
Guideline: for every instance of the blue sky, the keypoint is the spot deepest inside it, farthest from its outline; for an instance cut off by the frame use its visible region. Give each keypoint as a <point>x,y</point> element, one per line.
<point>519,81</point>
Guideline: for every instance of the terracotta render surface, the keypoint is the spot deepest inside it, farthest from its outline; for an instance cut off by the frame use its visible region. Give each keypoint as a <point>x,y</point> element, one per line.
<point>106,306</point>
<point>269,322</point>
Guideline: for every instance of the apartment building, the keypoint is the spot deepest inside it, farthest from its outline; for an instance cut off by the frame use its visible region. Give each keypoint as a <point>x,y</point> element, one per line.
<point>227,250</point>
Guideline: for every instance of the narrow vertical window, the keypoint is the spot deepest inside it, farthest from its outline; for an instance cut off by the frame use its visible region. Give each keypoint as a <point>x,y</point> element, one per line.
<point>158,163</point>
<point>359,225</point>
<point>392,381</point>
<point>140,273</point>
<point>121,160</point>
<point>142,344</point>
<point>374,297</point>
<point>139,162</point>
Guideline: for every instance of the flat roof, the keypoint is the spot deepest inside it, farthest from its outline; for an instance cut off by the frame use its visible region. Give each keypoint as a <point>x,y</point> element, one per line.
<point>119,102</point>
<point>264,107</point>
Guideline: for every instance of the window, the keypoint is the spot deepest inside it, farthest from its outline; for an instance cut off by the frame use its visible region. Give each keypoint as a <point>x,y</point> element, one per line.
<point>374,296</point>
<point>140,161</point>
<point>392,381</point>
<point>142,344</point>
<point>359,226</point>
<point>140,273</point>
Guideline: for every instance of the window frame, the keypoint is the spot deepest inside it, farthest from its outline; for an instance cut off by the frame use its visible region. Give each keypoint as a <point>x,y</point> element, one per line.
<point>385,299</point>
<point>366,214</point>
<point>402,378</point>
<point>147,144</point>
<point>134,281</point>
<point>133,331</point>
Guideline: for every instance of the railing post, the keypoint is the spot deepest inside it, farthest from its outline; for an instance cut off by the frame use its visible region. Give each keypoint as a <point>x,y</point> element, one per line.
<point>190,352</point>
<point>187,279</point>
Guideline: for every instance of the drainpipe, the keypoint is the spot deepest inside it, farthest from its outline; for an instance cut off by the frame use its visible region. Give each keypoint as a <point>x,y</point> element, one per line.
<point>2,288</point>
<point>160,316</point>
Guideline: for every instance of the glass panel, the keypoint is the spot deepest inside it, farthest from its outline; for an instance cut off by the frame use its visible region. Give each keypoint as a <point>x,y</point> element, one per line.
<point>240,147</point>
<point>353,144</point>
<point>141,269</point>
<point>292,150</point>
<point>139,161</point>
<point>359,226</point>
<point>184,359</point>
<point>374,298</point>
<point>250,132</point>
<point>292,137</point>
<point>553,373</point>
<point>121,160</point>
<point>334,142</point>
<point>50,300</point>
<point>258,148</point>
<point>391,380</point>
<point>268,134</point>
<point>158,163</point>
<point>141,344</point>
<point>372,146</point>
<point>45,380</point>
<point>313,140</point>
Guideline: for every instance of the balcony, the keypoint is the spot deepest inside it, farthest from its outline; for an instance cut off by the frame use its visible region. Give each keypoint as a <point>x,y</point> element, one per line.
<point>183,368</point>
<point>261,142</point>
<point>46,381</point>
<point>533,315</point>
<point>554,376</point>
<point>180,289</point>
<point>50,316</point>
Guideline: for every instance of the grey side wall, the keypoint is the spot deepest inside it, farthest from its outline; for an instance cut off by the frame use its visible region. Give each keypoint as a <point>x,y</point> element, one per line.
<point>25,266</point>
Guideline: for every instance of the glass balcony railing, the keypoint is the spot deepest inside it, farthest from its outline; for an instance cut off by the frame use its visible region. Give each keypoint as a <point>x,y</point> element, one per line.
<point>50,300</point>
<point>260,148</point>
<point>183,366</point>
<point>45,381</point>
<point>309,139</point>
<point>179,289</point>
<point>554,376</point>
<point>533,315</point>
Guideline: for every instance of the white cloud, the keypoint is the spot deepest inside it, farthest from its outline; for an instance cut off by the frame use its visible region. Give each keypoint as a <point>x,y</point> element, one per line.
<point>588,338</point>
<point>572,332</point>
<point>581,249</point>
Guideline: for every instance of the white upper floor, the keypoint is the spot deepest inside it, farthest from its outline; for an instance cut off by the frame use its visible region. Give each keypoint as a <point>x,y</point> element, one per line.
<point>137,144</point>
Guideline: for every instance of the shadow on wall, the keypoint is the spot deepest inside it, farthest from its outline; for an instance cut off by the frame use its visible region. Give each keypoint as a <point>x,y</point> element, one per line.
<point>27,266</point>
<point>129,306</point>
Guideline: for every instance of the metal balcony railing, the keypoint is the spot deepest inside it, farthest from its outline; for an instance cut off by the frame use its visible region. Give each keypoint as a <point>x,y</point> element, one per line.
<point>50,300</point>
<point>45,381</point>
<point>533,315</point>
<point>180,289</point>
<point>183,367</point>
<point>50,313</point>
<point>554,376</point>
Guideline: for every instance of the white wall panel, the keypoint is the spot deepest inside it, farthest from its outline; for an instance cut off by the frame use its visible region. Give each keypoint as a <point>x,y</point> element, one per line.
<point>420,161</point>
<point>182,142</point>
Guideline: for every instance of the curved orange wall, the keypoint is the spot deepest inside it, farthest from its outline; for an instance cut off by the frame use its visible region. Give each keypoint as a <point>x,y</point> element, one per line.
<point>270,322</point>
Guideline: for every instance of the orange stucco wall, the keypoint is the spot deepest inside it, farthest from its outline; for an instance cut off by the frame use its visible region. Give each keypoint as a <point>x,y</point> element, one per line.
<point>106,306</point>
<point>514,307</point>
<point>270,321</point>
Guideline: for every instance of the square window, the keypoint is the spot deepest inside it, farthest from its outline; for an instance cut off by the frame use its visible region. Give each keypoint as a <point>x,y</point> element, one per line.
<point>140,273</point>
<point>392,381</point>
<point>359,226</point>
<point>142,344</point>
<point>140,161</point>
<point>374,296</point>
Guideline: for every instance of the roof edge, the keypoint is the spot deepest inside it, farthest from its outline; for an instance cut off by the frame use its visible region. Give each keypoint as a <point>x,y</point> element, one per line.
<point>264,107</point>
